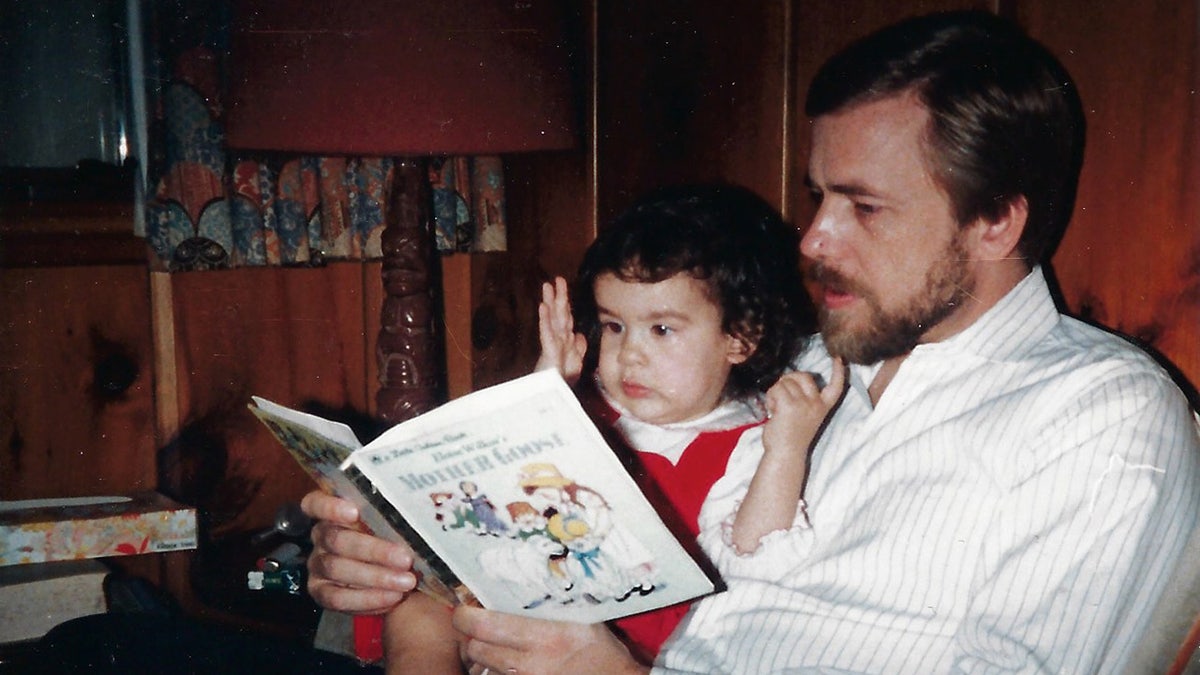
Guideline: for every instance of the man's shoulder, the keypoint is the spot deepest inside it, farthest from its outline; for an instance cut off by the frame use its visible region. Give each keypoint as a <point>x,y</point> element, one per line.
<point>1081,370</point>
<point>1095,348</point>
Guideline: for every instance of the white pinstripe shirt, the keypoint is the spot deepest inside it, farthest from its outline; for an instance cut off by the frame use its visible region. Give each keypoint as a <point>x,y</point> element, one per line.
<point>1014,504</point>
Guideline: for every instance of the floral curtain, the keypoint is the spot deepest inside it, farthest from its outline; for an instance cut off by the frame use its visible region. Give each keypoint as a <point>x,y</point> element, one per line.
<point>212,207</point>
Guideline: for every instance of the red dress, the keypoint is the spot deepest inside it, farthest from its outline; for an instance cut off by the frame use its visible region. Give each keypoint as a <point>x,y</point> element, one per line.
<point>677,492</point>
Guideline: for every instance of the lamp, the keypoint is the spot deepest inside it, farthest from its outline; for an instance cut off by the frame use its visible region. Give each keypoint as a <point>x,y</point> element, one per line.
<point>404,79</point>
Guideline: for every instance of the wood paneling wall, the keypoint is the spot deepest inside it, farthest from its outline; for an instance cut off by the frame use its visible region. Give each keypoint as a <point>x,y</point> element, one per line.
<point>76,382</point>
<point>691,91</point>
<point>300,337</point>
<point>1131,257</point>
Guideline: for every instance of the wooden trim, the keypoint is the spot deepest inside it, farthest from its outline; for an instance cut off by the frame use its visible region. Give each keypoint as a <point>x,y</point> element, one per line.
<point>593,131</point>
<point>790,111</point>
<point>67,218</point>
<point>166,381</point>
<point>456,309</point>
<point>64,250</point>
<point>62,234</point>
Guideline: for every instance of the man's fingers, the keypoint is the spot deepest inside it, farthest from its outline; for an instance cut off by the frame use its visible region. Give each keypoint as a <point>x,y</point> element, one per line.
<point>320,505</point>
<point>357,573</point>
<point>352,600</point>
<point>354,546</point>
<point>489,640</point>
<point>348,572</point>
<point>507,643</point>
<point>491,627</point>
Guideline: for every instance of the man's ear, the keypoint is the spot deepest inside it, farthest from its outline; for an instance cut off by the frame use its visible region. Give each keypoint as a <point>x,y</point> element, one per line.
<point>997,239</point>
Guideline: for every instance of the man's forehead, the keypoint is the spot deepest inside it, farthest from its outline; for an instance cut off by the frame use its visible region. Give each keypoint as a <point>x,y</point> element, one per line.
<point>857,146</point>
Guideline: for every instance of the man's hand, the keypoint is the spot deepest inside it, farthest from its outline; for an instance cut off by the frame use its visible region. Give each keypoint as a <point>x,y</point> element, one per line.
<point>504,643</point>
<point>348,570</point>
<point>562,347</point>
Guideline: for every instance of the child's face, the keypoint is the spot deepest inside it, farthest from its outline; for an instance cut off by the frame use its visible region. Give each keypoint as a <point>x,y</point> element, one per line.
<point>663,354</point>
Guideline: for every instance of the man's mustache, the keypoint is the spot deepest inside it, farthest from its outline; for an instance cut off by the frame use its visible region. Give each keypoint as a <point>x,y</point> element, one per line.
<point>818,273</point>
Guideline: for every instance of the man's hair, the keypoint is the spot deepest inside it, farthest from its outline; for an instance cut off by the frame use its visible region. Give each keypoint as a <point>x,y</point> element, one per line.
<point>1006,116</point>
<point>726,237</point>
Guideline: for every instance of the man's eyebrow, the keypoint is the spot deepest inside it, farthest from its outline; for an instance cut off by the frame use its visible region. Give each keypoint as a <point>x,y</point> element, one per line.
<point>848,189</point>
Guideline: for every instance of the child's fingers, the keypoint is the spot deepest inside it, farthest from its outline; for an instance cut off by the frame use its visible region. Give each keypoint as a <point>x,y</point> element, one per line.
<point>798,385</point>
<point>793,390</point>
<point>558,298</point>
<point>580,345</point>
<point>545,325</point>
<point>554,312</point>
<point>837,382</point>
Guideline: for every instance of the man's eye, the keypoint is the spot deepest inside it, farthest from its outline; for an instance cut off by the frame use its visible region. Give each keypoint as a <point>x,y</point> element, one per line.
<point>816,196</point>
<point>864,209</point>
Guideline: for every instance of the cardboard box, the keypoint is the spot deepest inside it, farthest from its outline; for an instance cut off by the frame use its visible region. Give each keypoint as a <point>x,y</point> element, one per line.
<point>146,522</point>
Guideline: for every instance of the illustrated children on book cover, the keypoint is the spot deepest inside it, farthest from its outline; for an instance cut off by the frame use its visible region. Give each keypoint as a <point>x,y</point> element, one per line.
<point>564,546</point>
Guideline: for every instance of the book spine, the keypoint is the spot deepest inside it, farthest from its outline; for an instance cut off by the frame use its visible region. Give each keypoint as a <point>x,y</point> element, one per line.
<point>397,521</point>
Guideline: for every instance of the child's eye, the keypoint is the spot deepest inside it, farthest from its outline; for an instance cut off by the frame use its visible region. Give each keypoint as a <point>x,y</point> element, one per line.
<point>660,329</point>
<point>611,327</point>
<point>816,196</point>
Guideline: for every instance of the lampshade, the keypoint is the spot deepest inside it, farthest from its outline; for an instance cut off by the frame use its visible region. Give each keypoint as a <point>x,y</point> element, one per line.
<point>402,77</point>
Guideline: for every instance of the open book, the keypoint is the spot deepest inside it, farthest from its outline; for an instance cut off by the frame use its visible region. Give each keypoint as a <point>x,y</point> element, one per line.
<point>512,499</point>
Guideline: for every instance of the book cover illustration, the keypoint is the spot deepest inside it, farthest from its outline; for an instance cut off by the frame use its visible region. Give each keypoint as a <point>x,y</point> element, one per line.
<point>512,492</point>
<point>560,544</point>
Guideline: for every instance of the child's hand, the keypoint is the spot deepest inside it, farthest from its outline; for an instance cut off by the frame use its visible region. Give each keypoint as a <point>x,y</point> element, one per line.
<point>562,347</point>
<point>797,406</point>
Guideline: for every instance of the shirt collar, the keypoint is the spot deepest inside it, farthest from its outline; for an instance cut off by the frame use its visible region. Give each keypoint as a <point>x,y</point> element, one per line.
<point>1022,317</point>
<point>670,440</point>
<point>730,414</point>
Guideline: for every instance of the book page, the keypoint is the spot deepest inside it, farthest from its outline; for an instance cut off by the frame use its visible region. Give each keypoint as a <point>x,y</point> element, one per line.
<point>321,446</point>
<point>514,488</point>
<point>318,444</point>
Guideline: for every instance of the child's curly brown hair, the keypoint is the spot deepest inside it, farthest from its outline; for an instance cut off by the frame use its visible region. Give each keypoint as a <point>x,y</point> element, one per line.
<point>729,238</point>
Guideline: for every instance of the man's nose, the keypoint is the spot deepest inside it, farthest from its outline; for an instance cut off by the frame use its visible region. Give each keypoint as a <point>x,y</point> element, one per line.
<point>819,238</point>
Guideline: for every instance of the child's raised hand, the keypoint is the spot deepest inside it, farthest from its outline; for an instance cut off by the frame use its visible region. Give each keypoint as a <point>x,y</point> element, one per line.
<point>562,347</point>
<point>797,406</point>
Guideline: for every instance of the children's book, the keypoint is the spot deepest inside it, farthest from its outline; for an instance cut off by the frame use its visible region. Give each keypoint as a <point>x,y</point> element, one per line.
<point>512,499</point>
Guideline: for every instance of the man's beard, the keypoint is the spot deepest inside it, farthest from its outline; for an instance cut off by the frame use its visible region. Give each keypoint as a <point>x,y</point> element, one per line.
<point>889,334</point>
